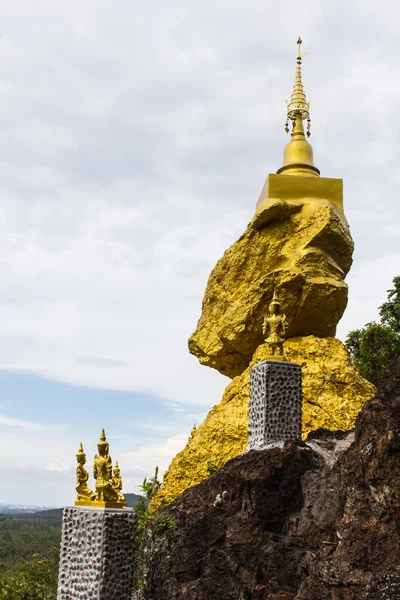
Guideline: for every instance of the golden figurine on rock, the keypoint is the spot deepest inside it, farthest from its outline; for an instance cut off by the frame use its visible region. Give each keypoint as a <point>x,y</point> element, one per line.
<point>275,325</point>
<point>108,487</point>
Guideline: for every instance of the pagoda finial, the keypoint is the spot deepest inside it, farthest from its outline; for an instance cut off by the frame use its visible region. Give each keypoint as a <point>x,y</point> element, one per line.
<point>298,155</point>
<point>298,104</point>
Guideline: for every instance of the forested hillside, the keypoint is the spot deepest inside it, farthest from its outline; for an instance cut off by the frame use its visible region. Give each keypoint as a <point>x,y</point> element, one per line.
<point>20,539</point>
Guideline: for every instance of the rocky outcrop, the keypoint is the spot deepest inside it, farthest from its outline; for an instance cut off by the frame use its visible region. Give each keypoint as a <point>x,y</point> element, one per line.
<point>303,249</point>
<point>333,394</point>
<point>315,520</point>
<point>365,563</point>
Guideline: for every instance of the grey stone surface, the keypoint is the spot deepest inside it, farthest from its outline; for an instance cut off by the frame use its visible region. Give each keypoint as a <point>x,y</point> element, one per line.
<point>96,556</point>
<point>275,403</point>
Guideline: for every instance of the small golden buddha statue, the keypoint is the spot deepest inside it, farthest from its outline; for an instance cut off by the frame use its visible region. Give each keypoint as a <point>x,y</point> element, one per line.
<point>106,495</point>
<point>275,325</point>
<point>84,494</point>
<point>117,483</point>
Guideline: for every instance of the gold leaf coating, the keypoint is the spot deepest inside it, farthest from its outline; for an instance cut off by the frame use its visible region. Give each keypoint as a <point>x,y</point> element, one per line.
<point>333,394</point>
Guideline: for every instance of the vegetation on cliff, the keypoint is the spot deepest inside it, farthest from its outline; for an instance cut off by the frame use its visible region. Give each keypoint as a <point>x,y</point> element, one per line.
<point>376,344</point>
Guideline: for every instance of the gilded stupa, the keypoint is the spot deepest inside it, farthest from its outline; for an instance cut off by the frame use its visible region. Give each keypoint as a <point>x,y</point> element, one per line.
<point>299,245</point>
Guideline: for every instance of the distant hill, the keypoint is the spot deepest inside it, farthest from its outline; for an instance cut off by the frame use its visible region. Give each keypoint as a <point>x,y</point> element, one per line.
<point>49,514</point>
<point>131,499</point>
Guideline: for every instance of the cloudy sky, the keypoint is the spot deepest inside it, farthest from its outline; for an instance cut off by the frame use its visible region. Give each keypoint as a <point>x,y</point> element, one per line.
<point>134,141</point>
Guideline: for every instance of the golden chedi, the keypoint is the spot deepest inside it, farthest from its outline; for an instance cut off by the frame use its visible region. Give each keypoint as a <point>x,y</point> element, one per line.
<point>299,246</point>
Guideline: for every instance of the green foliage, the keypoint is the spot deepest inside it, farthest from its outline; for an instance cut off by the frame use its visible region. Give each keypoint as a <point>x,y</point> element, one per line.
<point>390,310</point>
<point>148,487</point>
<point>211,468</point>
<point>142,516</point>
<point>376,344</point>
<point>164,524</point>
<point>372,348</point>
<point>170,559</point>
<point>20,539</point>
<point>36,579</point>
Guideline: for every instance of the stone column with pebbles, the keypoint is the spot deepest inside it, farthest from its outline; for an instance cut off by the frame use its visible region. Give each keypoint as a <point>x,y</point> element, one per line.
<point>96,558</point>
<point>275,403</point>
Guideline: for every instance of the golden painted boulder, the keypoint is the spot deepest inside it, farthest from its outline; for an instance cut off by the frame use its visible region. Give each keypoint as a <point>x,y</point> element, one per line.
<point>300,247</point>
<point>333,394</point>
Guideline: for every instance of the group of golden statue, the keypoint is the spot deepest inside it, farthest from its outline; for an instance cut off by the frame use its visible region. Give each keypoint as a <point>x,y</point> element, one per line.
<point>108,484</point>
<point>108,492</point>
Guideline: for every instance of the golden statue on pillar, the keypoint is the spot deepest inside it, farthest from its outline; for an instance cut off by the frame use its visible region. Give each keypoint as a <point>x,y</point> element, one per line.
<point>84,494</point>
<point>106,495</point>
<point>275,325</point>
<point>117,483</point>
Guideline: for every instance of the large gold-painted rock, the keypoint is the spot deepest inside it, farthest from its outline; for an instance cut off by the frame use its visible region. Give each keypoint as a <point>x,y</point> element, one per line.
<point>333,394</point>
<point>302,248</point>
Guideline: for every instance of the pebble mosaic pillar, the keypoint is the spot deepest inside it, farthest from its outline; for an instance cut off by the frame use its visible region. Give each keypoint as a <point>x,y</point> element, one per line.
<point>96,557</point>
<point>275,403</point>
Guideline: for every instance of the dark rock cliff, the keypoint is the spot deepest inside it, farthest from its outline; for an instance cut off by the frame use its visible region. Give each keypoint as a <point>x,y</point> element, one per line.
<point>309,521</point>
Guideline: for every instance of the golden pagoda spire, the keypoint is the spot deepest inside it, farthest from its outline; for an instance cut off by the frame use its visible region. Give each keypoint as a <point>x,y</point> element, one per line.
<point>298,155</point>
<point>298,104</point>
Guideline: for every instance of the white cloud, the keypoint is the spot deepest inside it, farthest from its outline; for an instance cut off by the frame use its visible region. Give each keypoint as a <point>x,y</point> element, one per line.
<point>59,466</point>
<point>143,461</point>
<point>168,449</point>
<point>10,422</point>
